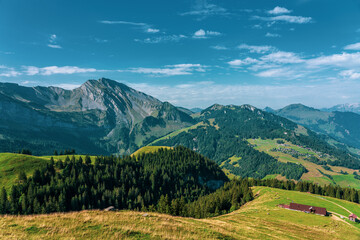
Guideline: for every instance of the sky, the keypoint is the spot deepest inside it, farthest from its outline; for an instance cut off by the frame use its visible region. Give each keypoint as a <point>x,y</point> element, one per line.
<point>192,53</point>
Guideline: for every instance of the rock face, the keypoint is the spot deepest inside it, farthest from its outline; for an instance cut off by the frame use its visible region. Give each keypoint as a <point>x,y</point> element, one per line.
<point>101,117</point>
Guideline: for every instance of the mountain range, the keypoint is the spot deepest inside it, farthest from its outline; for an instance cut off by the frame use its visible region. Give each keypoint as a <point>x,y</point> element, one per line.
<point>100,117</point>
<point>347,107</point>
<point>343,127</point>
<point>103,117</point>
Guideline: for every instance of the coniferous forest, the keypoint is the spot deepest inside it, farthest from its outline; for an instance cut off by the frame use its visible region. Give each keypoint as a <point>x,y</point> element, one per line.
<point>175,181</point>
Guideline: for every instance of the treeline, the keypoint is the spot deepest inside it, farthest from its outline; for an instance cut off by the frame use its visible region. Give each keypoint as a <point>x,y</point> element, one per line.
<point>335,191</point>
<point>123,182</point>
<point>65,152</point>
<point>25,151</point>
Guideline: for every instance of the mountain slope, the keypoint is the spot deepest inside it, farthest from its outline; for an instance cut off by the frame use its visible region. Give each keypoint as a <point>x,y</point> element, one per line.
<point>259,219</point>
<point>223,132</point>
<point>100,117</point>
<point>342,126</point>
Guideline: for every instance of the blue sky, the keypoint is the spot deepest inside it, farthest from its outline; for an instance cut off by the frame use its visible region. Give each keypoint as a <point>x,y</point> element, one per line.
<point>192,53</point>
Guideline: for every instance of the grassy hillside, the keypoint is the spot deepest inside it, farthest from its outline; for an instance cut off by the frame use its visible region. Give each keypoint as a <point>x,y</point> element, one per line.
<point>317,173</point>
<point>148,149</point>
<point>259,219</point>
<point>11,164</point>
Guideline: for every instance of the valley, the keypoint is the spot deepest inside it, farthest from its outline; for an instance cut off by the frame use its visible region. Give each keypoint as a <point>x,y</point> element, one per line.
<point>170,172</point>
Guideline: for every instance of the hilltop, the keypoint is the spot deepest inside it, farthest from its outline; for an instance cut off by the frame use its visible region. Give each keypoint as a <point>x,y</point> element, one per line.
<point>259,219</point>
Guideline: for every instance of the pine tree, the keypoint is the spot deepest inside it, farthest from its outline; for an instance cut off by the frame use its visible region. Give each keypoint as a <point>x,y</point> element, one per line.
<point>4,204</point>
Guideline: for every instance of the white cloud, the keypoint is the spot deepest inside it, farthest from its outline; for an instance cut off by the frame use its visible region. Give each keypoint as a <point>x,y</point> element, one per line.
<point>31,70</point>
<point>99,40</point>
<point>286,18</point>
<point>256,49</point>
<point>143,26</point>
<point>355,46</point>
<point>279,10</point>
<point>52,38</point>
<point>152,30</point>
<point>201,33</point>
<point>169,70</point>
<point>123,22</point>
<point>67,86</point>
<point>282,57</point>
<point>277,72</point>
<point>350,74</point>
<point>8,72</point>
<point>203,9</point>
<point>53,42</point>
<point>219,47</point>
<point>54,46</point>
<point>204,94</point>
<point>166,38</point>
<point>272,35</point>
<point>345,60</point>
<point>241,62</point>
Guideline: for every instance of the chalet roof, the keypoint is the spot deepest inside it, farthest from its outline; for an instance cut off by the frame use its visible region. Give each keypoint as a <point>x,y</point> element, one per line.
<point>353,215</point>
<point>111,208</point>
<point>306,208</point>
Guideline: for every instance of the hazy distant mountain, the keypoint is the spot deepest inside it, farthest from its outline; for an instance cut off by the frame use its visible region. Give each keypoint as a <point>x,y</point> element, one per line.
<point>343,126</point>
<point>348,107</point>
<point>269,110</point>
<point>101,116</point>
<point>185,110</point>
<point>196,110</point>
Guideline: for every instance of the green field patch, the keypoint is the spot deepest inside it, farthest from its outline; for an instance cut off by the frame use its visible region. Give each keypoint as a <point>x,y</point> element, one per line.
<point>347,180</point>
<point>288,152</point>
<point>149,149</point>
<point>175,133</point>
<point>270,176</point>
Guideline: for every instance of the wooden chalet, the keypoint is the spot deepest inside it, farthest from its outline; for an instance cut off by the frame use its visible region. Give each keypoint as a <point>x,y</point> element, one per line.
<point>353,217</point>
<point>305,208</point>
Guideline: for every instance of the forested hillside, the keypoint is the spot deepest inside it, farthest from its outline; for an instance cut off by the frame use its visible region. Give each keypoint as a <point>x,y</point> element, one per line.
<point>223,135</point>
<point>163,181</point>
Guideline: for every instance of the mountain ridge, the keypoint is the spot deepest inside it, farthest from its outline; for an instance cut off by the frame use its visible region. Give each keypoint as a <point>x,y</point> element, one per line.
<point>105,110</point>
<point>342,126</point>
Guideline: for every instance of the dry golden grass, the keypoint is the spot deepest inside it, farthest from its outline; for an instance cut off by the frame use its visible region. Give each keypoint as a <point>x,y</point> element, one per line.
<point>259,219</point>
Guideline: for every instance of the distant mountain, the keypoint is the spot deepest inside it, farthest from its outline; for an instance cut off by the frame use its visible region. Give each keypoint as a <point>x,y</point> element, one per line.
<point>347,107</point>
<point>343,126</point>
<point>269,110</point>
<point>100,117</point>
<point>196,110</point>
<point>185,110</point>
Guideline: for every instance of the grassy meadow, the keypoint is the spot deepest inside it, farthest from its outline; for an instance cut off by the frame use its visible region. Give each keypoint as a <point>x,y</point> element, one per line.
<point>313,174</point>
<point>259,219</point>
